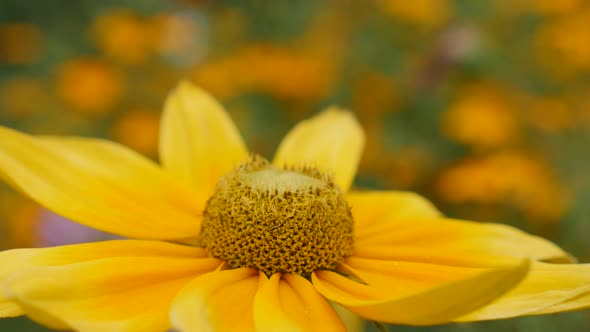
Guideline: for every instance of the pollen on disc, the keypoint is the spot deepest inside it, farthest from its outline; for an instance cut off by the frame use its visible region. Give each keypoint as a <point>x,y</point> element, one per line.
<point>292,220</point>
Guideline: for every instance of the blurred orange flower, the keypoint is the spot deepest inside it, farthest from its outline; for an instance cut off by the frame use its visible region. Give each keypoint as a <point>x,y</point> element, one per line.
<point>552,7</point>
<point>124,36</point>
<point>550,114</point>
<point>563,44</point>
<point>89,85</point>
<point>281,71</point>
<point>426,13</point>
<point>179,36</point>
<point>20,43</point>
<point>22,222</point>
<point>541,7</point>
<point>481,117</point>
<point>510,176</point>
<point>138,129</point>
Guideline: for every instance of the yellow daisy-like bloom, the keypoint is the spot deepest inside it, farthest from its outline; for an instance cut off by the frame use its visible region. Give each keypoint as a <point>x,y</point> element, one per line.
<point>222,241</point>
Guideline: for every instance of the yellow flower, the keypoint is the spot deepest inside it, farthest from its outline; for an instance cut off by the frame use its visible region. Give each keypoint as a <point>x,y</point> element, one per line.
<point>287,230</point>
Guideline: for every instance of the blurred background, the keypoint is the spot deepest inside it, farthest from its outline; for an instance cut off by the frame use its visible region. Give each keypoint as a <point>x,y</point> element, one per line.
<point>481,106</point>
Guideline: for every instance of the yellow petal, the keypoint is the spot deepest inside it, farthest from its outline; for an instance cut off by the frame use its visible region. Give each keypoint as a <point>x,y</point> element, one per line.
<point>198,140</point>
<point>98,184</point>
<point>548,288</point>
<point>352,321</point>
<point>18,260</point>
<point>333,140</point>
<point>371,207</point>
<point>15,261</point>
<point>451,242</point>
<point>437,304</point>
<point>290,303</point>
<point>127,169</point>
<point>577,303</point>
<point>9,309</point>
<point>46,319</point>
<point>110,286</point>
<point>217,301</point>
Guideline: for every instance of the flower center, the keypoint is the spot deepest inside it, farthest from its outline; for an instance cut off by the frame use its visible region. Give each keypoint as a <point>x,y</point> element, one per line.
<point>292,220</point>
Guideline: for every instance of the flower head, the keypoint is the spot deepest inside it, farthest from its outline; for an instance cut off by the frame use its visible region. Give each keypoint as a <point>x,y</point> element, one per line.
<point>222,240</point>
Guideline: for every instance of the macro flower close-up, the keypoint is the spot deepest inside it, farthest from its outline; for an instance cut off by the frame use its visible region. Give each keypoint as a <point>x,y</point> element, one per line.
<point>217,238</point>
